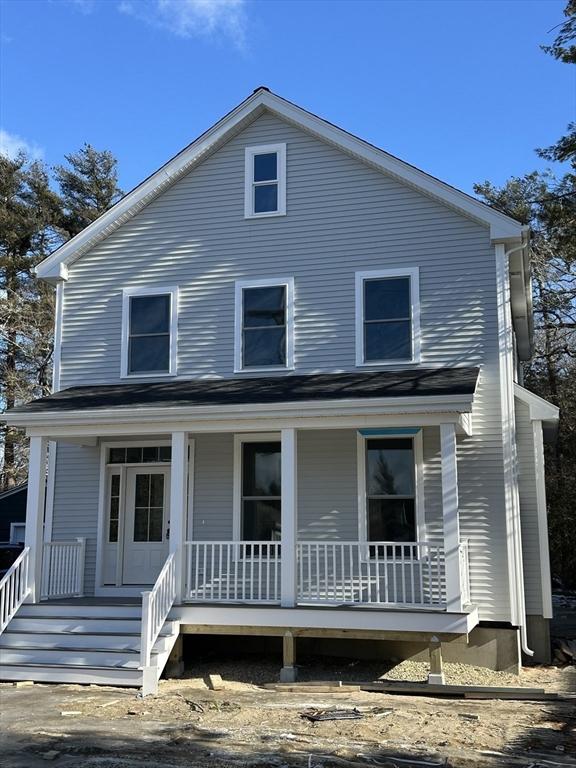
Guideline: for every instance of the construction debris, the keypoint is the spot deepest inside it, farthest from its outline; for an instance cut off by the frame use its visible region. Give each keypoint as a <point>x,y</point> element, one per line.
<point>215,683</point>
<point>319,715</point>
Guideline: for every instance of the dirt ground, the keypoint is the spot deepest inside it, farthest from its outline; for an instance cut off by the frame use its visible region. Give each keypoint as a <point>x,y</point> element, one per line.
<point>244,725</point>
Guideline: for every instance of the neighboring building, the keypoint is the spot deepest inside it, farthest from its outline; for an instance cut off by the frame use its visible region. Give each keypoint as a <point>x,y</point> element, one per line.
<point>287,397</point>
<point>13,515</point>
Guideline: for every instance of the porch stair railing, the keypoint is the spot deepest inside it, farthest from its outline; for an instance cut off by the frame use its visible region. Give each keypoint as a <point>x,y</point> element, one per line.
<point>14,588</point>
<point>156,605</point>
<point>63,569</point>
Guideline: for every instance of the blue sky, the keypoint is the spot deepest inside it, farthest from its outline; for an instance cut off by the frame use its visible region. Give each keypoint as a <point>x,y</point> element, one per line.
<point>459,88</point>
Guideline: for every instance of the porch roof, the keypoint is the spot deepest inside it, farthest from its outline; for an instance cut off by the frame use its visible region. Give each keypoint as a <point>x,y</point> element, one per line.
<point>458,382</point>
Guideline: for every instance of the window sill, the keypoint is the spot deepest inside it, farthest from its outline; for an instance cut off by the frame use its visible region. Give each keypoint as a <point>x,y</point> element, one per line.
<point>269,215</point>
<point>266,369</point>
<point>384,363</point>
<point>148,375</point>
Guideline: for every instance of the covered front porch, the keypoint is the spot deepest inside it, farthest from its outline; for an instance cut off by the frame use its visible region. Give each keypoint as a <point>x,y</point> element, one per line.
<point>330,491</point>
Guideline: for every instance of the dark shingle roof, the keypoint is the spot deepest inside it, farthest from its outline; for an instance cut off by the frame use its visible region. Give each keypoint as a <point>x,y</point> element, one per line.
<point>245,391</point>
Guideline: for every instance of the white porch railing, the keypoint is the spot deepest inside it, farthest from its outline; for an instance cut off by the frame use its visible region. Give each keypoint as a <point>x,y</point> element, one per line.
<point>464,558</point>
<point>233,571</point>
<point>14,588</point>
<point>63,569</point>
<point>375,573</point>
<point>156,606</point>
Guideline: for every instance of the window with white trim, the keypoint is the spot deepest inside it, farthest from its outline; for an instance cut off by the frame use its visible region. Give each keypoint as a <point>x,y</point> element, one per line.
<point>265,181</point>
<point>149,328</point>
<point>261,499</point>
<point>264,325</point>
<point>390,489</point>
<point>387,317</point>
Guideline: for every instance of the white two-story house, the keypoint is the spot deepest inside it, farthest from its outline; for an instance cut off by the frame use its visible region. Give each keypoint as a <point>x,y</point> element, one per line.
<point>286,401</point>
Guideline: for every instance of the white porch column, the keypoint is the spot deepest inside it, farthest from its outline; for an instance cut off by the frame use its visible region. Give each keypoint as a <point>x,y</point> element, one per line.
<point>450,516</point>
<point>288,589</point>
<point>178,504</point>
<point>35,513</point>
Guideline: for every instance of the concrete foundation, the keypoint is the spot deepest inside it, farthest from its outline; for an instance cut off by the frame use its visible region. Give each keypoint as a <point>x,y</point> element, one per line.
<point>538,630</point>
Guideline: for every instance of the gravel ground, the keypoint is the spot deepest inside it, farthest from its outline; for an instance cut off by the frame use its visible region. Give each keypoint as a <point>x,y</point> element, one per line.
<point>249,670</point>
<point>243,726</point>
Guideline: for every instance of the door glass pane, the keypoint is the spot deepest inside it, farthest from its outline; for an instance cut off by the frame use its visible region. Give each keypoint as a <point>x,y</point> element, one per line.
<point>265,167</point>
<point>261,469</point>
<point>266,198</point>
<point>149,314</point>
<point>157,490</point>
<point>391,520</point>
<point>141,524</point>
<point>390,467</point>
<point>388,341</point>
<point>264,306</point>
<point>387,299</point>
<point>156,524</point>
<point>264,346</point>
<point>142,495</point>
<point>261,520</point>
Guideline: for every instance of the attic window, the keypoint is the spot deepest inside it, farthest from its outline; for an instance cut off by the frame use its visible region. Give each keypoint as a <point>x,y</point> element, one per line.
<point>265,181</point>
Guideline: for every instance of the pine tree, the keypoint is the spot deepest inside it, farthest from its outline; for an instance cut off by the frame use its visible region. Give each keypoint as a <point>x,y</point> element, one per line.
<point>29,212</point>
<point>34,220</point>
<point>88,187</point>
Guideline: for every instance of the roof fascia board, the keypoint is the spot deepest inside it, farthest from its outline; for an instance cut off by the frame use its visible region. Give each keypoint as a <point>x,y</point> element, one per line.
<point>54,267</point>
<point>502,227</point>
<point>148,428</point>
<point>540,409</point>
<point>425,404</point>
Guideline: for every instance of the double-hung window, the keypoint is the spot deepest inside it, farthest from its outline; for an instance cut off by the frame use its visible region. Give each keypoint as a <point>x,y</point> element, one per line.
<point>149,327</point>
<point>264,325</point>
<point>387,317</point>
<point>390,478</point>
<point>260,491</point>
<point>265,181</point>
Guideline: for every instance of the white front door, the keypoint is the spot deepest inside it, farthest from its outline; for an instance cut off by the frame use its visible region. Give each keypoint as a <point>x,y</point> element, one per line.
<point>146,527</point>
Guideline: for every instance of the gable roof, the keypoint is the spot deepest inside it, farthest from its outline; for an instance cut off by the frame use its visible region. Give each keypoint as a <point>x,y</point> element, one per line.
<point>55,266</point>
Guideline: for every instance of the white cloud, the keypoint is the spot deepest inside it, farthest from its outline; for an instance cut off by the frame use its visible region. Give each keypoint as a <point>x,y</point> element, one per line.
<point>193,18</point>
<point>11,145</point>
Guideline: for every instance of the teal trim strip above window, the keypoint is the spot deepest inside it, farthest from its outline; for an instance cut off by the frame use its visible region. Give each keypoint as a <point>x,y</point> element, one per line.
<point>389,431</point>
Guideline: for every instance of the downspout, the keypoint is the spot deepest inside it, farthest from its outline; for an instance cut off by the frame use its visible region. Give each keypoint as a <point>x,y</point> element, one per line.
<point>516,530</point>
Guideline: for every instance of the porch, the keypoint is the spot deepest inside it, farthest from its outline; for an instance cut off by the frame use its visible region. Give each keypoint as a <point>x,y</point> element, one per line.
<point>337,573</point>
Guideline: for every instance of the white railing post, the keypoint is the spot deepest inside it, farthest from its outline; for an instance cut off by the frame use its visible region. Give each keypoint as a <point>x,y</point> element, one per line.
<point>145,646</point>
<point>80,562</point>
<point>450,517</point>
<point>35,513</point>
<point>289,518</point>
<point>178,504</point>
